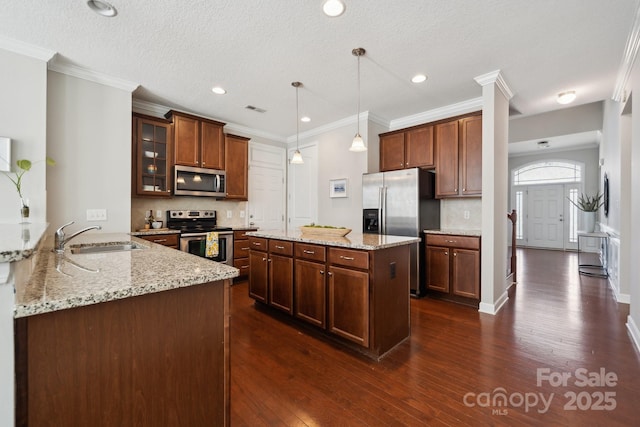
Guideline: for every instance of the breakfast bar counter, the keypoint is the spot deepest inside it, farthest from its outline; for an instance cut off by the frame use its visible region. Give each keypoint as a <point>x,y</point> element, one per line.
<point>121,331</point>
<point>370,242</point>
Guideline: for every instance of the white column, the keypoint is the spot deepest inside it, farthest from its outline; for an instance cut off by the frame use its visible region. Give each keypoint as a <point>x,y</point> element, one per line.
<point>495,174</point>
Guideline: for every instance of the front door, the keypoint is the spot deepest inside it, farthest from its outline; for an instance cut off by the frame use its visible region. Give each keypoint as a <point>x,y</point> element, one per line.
<point>545,216</point>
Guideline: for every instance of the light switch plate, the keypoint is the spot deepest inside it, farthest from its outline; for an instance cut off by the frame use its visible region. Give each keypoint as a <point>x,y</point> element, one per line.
<point>96,214</point>
<point>241,214</point>
<point>229,214</point>
<point>5,154</point>
<point>466,215</point>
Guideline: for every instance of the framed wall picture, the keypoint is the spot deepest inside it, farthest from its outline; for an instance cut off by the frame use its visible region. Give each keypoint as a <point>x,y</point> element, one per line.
<point>338,188</point>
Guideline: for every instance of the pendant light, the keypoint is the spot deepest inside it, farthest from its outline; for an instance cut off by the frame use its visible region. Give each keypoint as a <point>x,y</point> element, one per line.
<point>296,159</point>
<point>358,144</point>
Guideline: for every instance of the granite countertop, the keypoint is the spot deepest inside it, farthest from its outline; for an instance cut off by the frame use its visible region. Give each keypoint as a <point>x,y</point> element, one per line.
<point>19,241</point>
<point>66,281</point>
<point>455,232</point>
<point>351,240</point>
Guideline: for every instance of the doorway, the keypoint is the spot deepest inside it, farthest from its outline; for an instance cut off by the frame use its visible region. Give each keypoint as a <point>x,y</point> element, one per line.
<point>541,193</point>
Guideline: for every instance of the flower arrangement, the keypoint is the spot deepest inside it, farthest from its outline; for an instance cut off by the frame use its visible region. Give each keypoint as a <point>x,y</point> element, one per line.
<point>587,203</point>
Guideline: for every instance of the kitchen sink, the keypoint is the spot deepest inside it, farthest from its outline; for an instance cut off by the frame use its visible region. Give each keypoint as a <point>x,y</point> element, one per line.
<point>93,248</point>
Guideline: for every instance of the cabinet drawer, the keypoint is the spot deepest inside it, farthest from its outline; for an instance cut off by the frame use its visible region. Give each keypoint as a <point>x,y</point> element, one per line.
<point>281,247</point>
<point>242,265</point>
<point>310,252</point>
<point>453,241</point>
<point>242,234</point>
<point>349,258</point>
<point>240,248</point>
<point>163,239</point>
<point>258,243</point>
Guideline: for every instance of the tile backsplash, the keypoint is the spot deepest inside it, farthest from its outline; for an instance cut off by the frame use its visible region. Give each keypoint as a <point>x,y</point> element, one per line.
<point>463,213</point>
<point>140,205</point>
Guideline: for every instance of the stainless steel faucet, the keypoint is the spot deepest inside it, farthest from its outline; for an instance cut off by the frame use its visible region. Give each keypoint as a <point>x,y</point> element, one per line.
<point>60,239</point>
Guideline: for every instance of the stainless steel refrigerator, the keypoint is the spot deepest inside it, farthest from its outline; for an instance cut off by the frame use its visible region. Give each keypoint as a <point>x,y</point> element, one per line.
<point>402,203</point>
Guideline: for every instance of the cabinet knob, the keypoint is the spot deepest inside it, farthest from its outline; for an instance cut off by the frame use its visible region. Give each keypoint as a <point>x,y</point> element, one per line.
<point>455,254</point>
<point>464,189</point>
<point>330,274</point>
<point>321,271</point>
<point>308,252</point>
<point>446,253</point>
<point>264,259</point>
<point>244,249</point>
<point>348,258</point>
<point>269,260</point>
<point>279,247</point>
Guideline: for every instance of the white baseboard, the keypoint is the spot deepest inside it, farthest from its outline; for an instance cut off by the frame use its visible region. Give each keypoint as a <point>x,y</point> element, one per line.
<point>634,331</point>
<point>623,298</point>
<point>496,306</point>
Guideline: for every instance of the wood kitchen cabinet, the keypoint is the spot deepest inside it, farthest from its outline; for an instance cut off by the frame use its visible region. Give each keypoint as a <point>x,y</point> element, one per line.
<point>237,166</point>
<point>241,252</point>
<point>453,267</point>
<point>357,297</point>
<point>407,149</point>
<point>458,154</point>
<point>169,240</point>
<point>271,273</point>
<point>310,287</point>
<point>198,142</point>
<point>151,156</point>
<point>348,299</point>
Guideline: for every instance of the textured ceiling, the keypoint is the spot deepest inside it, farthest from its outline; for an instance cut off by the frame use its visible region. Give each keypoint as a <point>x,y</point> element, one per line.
<point>178,50</point>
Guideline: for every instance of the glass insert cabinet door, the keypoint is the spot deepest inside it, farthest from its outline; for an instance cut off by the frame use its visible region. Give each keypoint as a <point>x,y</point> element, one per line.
<point>153,172</point>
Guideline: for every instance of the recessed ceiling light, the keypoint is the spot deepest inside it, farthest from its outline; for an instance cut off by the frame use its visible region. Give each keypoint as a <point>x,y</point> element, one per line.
<point>102,7</point>
<point>419,78</point>
<point>305,119</point>
<point>567,97</point>
<point>218,90</point>
<point>333,8</point>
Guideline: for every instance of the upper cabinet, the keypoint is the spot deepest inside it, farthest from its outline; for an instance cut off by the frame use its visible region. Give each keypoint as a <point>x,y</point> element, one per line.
<point>199,142</point>
<point>407,149</point>
<point>458,153</point>
<point>151,156</point>
<point>237,166</point>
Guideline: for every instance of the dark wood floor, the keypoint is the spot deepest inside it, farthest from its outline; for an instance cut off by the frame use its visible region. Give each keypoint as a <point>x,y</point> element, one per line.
<point>457,357</point>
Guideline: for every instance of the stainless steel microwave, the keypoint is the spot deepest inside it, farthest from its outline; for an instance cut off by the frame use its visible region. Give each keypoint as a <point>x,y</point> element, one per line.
<point>190,181</point>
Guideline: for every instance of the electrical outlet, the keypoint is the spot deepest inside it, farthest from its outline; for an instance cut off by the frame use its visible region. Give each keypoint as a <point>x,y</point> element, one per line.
<point>466,215</point>
<point>229,214</point>
<point>241,214</point>
<point>96,214</point>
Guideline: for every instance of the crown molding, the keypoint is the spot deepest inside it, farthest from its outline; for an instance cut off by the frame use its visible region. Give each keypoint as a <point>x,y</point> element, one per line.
<point>367,116</point>
<point>26,49</point>
<point>451,110</point>
<point>158,110</point>
<point>628,58</point>
<point>93,76</point>
<point>495,77</point>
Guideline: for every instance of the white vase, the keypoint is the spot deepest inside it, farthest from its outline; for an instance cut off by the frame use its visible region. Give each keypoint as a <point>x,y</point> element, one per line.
<point>589,221</point>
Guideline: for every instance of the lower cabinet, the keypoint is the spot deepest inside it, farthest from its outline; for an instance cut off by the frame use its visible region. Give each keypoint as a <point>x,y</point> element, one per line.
<point>360,297</point>
<point>241,252</point>
<point>271,273</point>
<point>453,267</point>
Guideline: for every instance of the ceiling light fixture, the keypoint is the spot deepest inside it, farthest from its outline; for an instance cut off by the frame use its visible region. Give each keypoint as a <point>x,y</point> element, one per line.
<point>102,7</point>
<point>543,144</point>
<point>305,119</point>
<point>218,90</point>
<point>419,78</point>
<point>567,97</point>
<point>296,159</point>
<point>333,8</point>
<point>358,144</point>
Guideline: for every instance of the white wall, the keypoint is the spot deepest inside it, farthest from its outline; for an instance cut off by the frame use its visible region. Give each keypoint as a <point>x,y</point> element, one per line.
<point>23,110</point>
<point>633,322</point>
<point>89,136</point>
<point>610,151</point>
<point>336,162</point>
<point>564,121</point>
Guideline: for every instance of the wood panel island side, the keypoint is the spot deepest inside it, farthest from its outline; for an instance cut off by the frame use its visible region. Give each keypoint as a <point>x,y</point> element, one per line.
<point>135,337</point>
<point>352,289</point>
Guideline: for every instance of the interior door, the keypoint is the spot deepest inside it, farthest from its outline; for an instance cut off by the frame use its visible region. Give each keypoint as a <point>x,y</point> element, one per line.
<point>545,216</point>
<point>266,193</point>
<point>303,189</point>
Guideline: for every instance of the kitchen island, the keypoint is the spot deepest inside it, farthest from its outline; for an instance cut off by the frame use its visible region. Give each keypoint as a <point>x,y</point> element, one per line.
<point>352,289</point>
<point>129,337</point>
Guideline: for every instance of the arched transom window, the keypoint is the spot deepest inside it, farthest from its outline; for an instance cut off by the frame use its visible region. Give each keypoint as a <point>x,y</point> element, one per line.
<point>548,172</point>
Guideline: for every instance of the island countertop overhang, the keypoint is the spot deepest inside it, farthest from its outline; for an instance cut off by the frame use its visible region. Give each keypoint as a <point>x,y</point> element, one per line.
<point>63,281</point>
<point>370,242</point>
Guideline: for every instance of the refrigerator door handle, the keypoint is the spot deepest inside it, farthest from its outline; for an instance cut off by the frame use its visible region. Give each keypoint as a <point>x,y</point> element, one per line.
<point>383,210</point>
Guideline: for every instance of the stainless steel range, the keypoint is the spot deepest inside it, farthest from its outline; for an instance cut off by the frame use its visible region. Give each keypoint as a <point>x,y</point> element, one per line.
<point>194,226</point>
